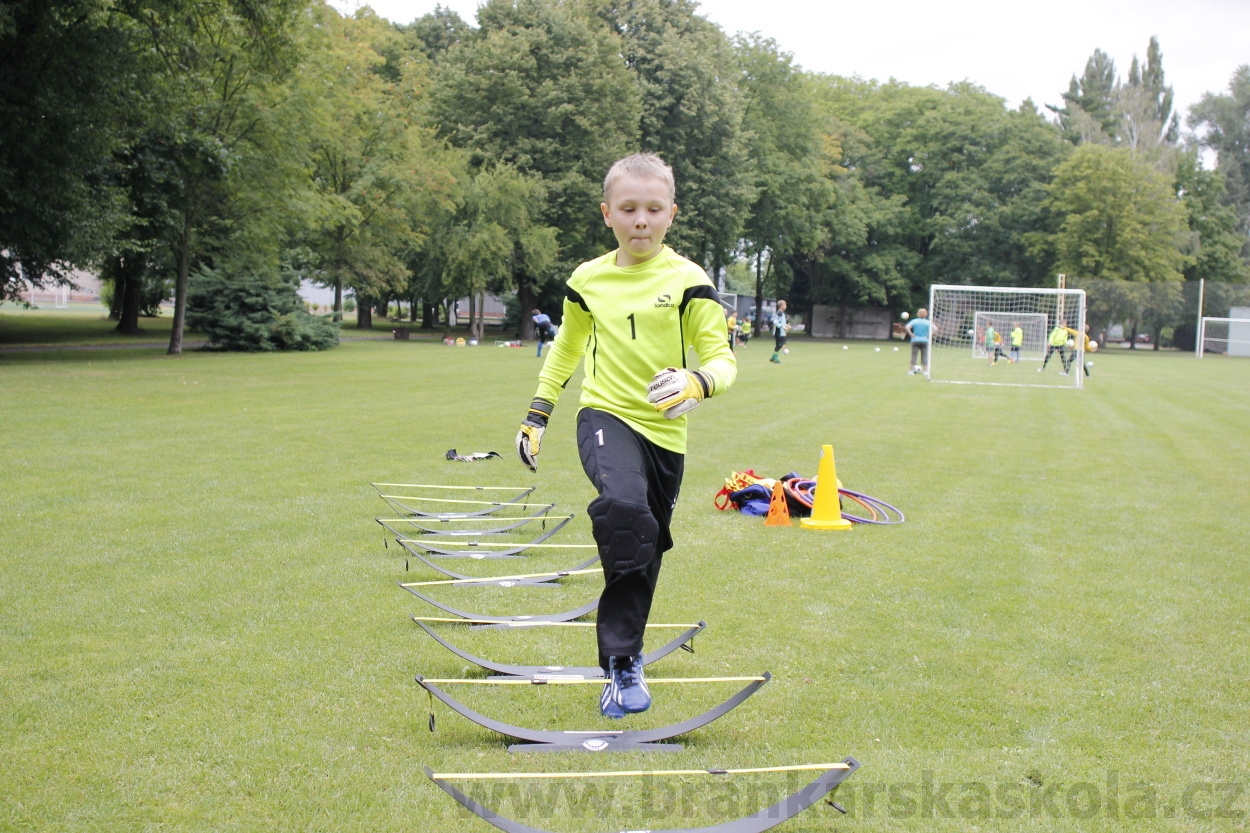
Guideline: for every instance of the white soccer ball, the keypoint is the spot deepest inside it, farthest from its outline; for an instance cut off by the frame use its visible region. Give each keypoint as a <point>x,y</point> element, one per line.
<point>785,350</point>
<point>844,347</point>
<point>895,349</point>
<point>905,316</point>
<point>878,349</point>
<point>1093,347</point>
<point>970,332</point>
<point>1071,342</point>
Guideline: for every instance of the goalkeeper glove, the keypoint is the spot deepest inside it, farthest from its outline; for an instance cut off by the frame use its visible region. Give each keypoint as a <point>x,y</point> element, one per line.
<point>675,391</point>
<point>529,439</point>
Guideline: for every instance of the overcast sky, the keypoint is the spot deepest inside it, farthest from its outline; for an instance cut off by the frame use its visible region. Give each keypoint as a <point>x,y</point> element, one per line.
<point>1016,51</point>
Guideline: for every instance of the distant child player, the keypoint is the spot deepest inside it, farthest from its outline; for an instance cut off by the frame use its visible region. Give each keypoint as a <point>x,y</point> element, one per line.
<point>918,328</point>
<point>543,329</point>
<point>780,325</point>
<point>1017,341</point>
<point>1089,345</point>
<point>632,315</point>
<point>993,344</point>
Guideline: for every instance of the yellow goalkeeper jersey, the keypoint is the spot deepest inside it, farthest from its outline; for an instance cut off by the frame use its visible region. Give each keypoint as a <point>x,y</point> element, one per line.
<point>631,322</point>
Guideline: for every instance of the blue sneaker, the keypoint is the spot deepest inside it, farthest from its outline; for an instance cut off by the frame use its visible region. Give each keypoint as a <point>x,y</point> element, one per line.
<point>607,706</point>
<point>626,691</point>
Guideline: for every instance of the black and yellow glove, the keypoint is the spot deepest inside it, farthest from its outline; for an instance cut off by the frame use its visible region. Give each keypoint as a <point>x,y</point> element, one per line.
<point>529,439</point>
<point>674,391</point>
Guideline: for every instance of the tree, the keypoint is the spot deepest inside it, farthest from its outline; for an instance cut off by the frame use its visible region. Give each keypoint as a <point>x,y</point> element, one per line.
<point>221,63</point>
<point>437,31</point>
<point>691,116</point>
<point>1145,105</point>
<point>376,174</point>
<point>542,88</point>
<point>1223,122</point>
<point>249,311</point>
<point>1089,111</point>
<point>74,91</point>
<point>1118,218</point>
<point>494,234</point>
<point>1214,243</point>
<point>792,177</point>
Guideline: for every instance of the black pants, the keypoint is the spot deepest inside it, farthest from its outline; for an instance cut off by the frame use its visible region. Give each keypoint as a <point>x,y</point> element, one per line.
<point>779,340</point>
<point>638,484</point>
<point>1063,356</point>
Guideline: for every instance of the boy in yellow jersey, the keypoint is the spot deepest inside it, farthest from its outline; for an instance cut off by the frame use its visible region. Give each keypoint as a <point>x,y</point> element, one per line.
<point>633,314</point>
<point>1086,341</point>
<point>1057,342</point>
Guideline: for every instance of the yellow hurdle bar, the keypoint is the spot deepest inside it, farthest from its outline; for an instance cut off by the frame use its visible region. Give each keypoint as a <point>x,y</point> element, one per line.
<point>434,486</point>
<point>633,773</point>
<point>492,520</point>
<point>458,500</point>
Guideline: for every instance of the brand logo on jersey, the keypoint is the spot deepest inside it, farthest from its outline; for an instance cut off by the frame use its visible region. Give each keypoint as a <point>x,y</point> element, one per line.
<point>665,301</point>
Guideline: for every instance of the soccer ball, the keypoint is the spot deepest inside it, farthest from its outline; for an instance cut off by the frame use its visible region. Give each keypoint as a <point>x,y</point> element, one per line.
<point>878,349</point>
<point>904,315</point>
<point>1093,347</point>
<point>785,350</point>
<point>895,349</point>
<point>969,332</point>
<point>844,347</point>
<point>1071,342</point>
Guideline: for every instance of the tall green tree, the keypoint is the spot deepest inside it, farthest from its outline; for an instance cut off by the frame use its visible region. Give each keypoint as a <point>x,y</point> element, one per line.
<point>1118,218</point>
<point>221,68</point>
<point>1214,242</point>
<point>1089,113</point>
<point>75,90</point>
<point>1222,122</point>
<point>376,172</point>
<point>494,233</point>
<point>691,116</point>
<point>785,223</point>
<point>542,87</point>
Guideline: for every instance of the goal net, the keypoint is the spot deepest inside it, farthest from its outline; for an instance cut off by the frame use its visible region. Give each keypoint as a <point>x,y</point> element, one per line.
<point>1033,330</point>
<point>962,316</point>
<point>1224,336</point>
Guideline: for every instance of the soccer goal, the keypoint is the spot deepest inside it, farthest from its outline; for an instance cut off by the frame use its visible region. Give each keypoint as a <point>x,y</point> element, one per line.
<point>1033,326</point>
<point>961,315</point>
<point>1224,336</point>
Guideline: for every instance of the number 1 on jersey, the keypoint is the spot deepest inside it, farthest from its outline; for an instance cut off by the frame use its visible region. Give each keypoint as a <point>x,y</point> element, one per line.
<point>599,436</point>
<point>633,333</point>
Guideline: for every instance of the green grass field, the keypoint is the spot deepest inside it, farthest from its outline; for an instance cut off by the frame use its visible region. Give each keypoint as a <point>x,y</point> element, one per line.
<point>201,628</point>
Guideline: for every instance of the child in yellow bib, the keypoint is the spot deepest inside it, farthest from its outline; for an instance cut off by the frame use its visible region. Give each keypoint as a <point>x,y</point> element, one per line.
<point>632,315</point>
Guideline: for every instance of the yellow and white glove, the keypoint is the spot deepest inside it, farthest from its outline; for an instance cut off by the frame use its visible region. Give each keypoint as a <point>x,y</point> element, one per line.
<point>530,438</point>
<point>674,391</point>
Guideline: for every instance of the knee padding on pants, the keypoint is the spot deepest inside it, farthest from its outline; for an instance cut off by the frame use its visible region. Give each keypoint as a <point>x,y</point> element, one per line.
<point>625,532</point>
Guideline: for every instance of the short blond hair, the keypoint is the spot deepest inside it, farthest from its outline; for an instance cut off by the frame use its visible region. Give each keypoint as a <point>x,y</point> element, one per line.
<point>641,165</point>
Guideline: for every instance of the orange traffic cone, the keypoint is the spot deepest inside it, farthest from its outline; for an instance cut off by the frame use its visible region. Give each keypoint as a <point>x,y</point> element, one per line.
<point>778,509</point>
<point>826,511</point>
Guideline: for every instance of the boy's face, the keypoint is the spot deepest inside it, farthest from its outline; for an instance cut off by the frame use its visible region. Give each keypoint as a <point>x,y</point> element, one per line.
<point>639,212</point>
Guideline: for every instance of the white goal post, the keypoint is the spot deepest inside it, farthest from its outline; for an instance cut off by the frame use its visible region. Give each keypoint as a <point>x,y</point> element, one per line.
<point>1224,336</point>
<point>960,315</point>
